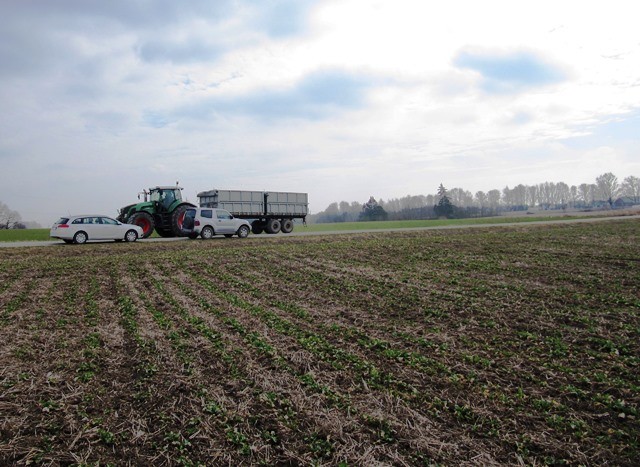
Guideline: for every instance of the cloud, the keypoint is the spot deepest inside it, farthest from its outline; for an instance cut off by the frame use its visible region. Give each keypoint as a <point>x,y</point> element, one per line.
<point>318,95</point>
<point>37,35</point>
<point>190,50</point>
<point>504,73</point>
<point>208,35</point>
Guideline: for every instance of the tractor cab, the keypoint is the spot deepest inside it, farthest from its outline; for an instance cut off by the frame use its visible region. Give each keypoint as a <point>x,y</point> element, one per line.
<point>165,196</point>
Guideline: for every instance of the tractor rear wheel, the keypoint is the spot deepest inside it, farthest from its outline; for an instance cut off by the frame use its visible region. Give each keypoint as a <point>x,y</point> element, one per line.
<point>144,220</point>
<point>177,221</point>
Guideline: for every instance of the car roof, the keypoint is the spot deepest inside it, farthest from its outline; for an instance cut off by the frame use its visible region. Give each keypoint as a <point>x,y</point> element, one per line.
<point>75,216</point>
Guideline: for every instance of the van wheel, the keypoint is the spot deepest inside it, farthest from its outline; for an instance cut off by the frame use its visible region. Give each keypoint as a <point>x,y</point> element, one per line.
<point>243,231</point>
<point>207,233</point>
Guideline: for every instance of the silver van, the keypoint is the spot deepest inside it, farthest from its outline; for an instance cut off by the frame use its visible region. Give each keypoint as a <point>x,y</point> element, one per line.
<point>207,222</point>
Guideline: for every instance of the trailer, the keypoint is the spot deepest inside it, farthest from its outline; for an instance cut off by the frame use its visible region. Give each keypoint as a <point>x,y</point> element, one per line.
<point>268,211</point>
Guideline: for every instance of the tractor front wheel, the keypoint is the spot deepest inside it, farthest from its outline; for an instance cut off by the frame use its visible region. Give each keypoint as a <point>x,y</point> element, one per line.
<point>144,220</point>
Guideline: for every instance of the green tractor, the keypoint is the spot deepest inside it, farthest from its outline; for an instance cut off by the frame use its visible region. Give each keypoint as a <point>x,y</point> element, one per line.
<point>163,210</point>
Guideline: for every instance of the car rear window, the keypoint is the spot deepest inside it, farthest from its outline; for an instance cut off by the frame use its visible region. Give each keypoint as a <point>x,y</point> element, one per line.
<point>208,213</point>
<point>62,220</point>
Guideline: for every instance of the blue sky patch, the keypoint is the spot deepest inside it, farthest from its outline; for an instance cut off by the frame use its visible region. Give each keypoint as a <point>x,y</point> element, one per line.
<point>316,96</point>
<point>622,128</point>
<point>507,73</point>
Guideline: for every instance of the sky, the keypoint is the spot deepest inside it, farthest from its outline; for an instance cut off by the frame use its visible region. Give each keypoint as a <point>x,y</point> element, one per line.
<point>340,99</point>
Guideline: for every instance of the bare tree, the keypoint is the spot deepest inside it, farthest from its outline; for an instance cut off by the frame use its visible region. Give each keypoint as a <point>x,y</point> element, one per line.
<point>574,195</point>
<point>631,188</point>
<point>547,194</point>
<point>563,194</point>
<point>507,196</point>
<point>460,197</point>
<point>607,184</point>
<point>8,218</point>
<point>584,192</point>
<point>493,197</point>
<point>532,195</point>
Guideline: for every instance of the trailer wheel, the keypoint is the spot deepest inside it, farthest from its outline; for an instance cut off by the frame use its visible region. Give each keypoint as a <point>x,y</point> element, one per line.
<point>257,227</point>
<point>273,226</point>
<point>287,226</point>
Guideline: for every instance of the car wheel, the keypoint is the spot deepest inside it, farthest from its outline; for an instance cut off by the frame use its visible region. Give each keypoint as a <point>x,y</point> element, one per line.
<point>80,238</point>
<point>207,233</point>
<point>131,236</point>
<point>243,231</point>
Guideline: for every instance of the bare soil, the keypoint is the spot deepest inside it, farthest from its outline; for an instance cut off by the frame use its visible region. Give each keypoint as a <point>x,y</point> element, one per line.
<point>485,346</point>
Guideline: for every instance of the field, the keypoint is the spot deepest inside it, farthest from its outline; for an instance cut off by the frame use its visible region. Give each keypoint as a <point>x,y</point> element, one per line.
<point>483,346</point>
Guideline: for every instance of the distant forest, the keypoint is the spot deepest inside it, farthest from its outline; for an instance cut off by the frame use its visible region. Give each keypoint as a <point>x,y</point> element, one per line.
<point>607,192</point>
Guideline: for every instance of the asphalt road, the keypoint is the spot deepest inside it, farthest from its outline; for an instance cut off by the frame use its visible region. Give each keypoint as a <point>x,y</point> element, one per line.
<point>300,231</point>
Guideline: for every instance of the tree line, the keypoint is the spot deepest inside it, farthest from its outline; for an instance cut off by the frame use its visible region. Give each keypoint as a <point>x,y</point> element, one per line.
<point>605,192</point>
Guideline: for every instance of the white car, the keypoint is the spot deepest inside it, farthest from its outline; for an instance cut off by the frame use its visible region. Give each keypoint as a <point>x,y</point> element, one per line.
<point>82,228</point>
<point>207,222</point>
